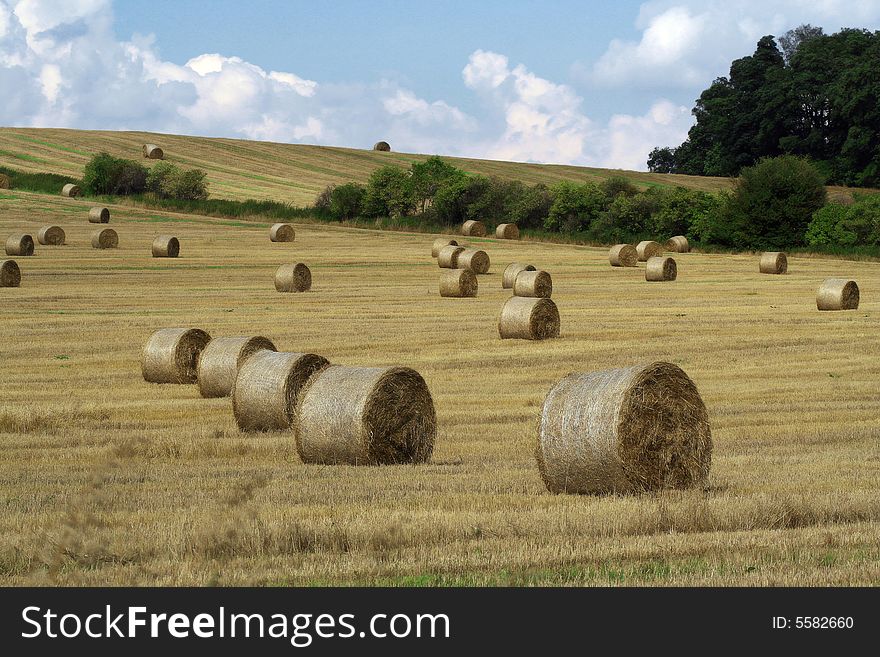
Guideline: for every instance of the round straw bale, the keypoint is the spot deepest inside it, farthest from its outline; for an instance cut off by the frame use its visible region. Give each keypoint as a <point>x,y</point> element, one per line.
<point>293,278</point>
<point>447,257</point>
<point>282,233</point>
<point>105,238</point>
<point>529,319</point>
<point>267,388</point>
<point>678,244</point>
<point>661,268</point>
<point>473,228</point>
<point>5,183</point>
<point>171,355</point>
<point>71,190</point>
<point>510,272</point>
<point>99,216</point>
<point>220,360</point>
<point>20,245</point>
<point>623,255</point>
<point>773,262</point>
<point>382,146</point>
<point>153,152</point>
<point>475,260</point>
<point>533,284</point>
<point>627,430</point>
<point>10,274</point>
<point>507,232</point>
<point>458,283</point>
<point>51,236</point>
<point>838,294</point>
<point>365,416</point>
<point>166,246</point>
<point>648,249</point>
<point>439,243</point>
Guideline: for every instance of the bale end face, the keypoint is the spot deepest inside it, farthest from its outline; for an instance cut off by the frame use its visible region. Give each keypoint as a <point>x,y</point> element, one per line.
<point>172,355</point>
<point>165,246</point>
<point>282,233</point>
<point>507,232</point>
<point>51,236</point>
<point>440,243</point>
<point>105,238</point>
<point>536,284</point>
<point>447,257</point>
<point>510,272</point>
<point>293,278</point>
<point>623,255</point>
<point>838,294</point>
<point>220,360</point>
<point>20,245</point>
<point>661,268</point>
<point>678,244</point>
<point>458,283</point>
<point>472,228</point>
<point>99,216</point>
<point>773,262</point>
<point>475,260</point>
<point>648,249</point>
<point>529,319</point>
<point>10,274</point>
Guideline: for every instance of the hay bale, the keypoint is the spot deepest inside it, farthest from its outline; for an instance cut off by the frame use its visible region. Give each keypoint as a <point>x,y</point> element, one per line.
<point>510,272</point>
<point>475,260</point>
<point>661,268</point>
<point>507,232</point>
<point>627,430</point>
<point>447,257</point>
<point>5,182</point>
<point>220,360</point>
<point>20,245</point>
<point>71,190</point>
<point>678,244</point>
<point>105,238</point>
<point>267,388</point>
<point>383,146</point>
<point>293,278</point>
<point>533,284</point>
<point>623,255</point>
<point>282,233</point>
<point>51,236</point>
<point>439,243</point>
<point>529,319</point>
<point>171,355</point>
<point>99,216</point>
<point>458,283</point>
<point>473,228</point>
<point>165,246</point>
<point>365,416</point>
<point>648,249</point>
<point>773,262</point>
<point>153,152</point>
<point>838,294</point>
<point>10,274</point>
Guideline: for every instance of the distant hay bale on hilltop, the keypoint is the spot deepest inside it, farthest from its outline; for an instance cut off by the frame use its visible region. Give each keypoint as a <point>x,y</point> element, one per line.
<point>171,355</point>
<point>51,236</point>
<point>439,243</point>
<point>165,246</point>
<point>510,272</point>
<point>293,278</point>
<point>105,238</point>
<point>529,319</point>
<point>153,152</point>
<point>10,274</point>
<point>70,190</point>
<point>623,255</point>
<point>661,268</point>
<point>99,216</point>
<point>648,249</point>
<point>773,262</point>
<point>447,257</point>
<point>458,283</point>
<point>473,228</point>
<point>220,360</point>
<point>536,284</point>
<point>838,294</point>
<point>383,146</point>
<point>475,260</point>
<point>282,233</point>
<point>507,232</point>
<point>20,245</point>
<point>678,244</point>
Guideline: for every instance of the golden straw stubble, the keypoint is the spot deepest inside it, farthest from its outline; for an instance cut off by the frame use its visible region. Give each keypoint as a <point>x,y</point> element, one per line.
<point>171,355</point>
<point>293,278</point>
<point>838,294</point>
<point>10,274</point>
<point>533,284</point>
<point>529,319</point>
<point>51,236</point>
<point>220,360</point>
<point>510,272</point>
<point>458,283</point>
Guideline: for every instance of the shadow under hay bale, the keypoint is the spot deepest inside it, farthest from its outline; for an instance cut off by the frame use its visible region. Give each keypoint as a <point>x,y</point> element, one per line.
<point>51,236</point>
<point>648,249</point>
<point>838,294</point>
<point>10,274</point>
<point>293,278</point>
<point>510,272</point>
<point>529,319</point>
<point>106,238</point>
<point>282,233</point>
<point>221,359</point>
<point>507,232</point>
<point>99,216</point>
<point>153,152</point>
<point>267,388</point>
<point>382,146</point>
<point>678,244</point>
<point>472,228</point>
<point>458,283</point>
<point>447,257</point>
<point>773,262</point>
<point>623,255</point>
<point>661,268</point>
<point>20,245</point>
<point>365,416</point>
<point>70,190</point>
<point>165,246</point>
<point>537,284</point>
<point>171,355</point>
<point>475,260</point>
<point>627,430</point>
<point>440,243</point>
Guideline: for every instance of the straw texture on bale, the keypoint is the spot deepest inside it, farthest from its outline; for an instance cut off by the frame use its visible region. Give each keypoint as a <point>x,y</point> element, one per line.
<point>678,244</point>
<point>166,246</point>
<point>439,243</point>
<point>623,255</point>
<point>773,262</point>
<point>171,355</point>
<point>282,233</point>
<point>473,228</point>
<point>447,257</point>
<point>71,190</point>
<point>51,236</point>
<point>661,268</point>
<point>106,238</point>
<point>510,272</point>
<point>365,416</point>
<point>507,232</point>
<point>382,146</point>
<point>99,216</point>
<point>153,152</point>
<point>458,283</point>
<point>293,278</point>
<point>10,274</point>
<point>529,319</point>
<point>5,183</point>
<point>628,430</point>
<point>648,249</point>
<point>475,260</point>
<point>537,284</point>
<point>838,294</point>
<point>268,386</point>
<point>20,245</point>
<point>220,360</point>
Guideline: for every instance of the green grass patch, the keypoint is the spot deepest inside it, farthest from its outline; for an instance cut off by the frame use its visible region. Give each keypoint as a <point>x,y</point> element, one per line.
<point>24,156</point>
<point>44,183</point>
<point>58,147</point>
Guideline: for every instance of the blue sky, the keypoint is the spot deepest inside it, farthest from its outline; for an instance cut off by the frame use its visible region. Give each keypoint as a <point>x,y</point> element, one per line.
<point>563,82</point>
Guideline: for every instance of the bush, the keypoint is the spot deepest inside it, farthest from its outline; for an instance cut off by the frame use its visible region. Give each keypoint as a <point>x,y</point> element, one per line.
<point>157,175</point>
<point>345,201</point>
<point>841,225</point>
<point>167,180</point>
<point>456,201</point>
<point>617,185</point>
<point>426,179</point>
<point>105,174</point>
<point>679,210</point>
<point>575,206</point>
<point>322,201</point>
<point>388,193</point>
<point>531,207</point>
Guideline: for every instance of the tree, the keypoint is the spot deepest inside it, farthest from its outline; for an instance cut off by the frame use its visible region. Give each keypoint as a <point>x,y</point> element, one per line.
<point>427,177</point>
<point>791,40</point>
<point>105,174</point>
<point>662,160</point>
<point>575,206</point>
<point>388,193</point>
<point>345,201</point>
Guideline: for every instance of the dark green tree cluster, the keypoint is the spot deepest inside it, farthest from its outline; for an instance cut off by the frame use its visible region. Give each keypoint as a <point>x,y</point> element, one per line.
<point>105,174</point>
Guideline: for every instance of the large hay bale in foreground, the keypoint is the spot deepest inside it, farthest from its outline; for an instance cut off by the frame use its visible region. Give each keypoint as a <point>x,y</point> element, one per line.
<point>10,274</point>
<point>383,146</point>
<point>510,272</point>
<point>678,244</point>
<point>221,359</point>
<point>473,228</point>
<point>71,190</point>
<point>51,236</point>
<point>447,257</point>
<point>623,255</point>
<point>458,283</point>
<point>628,430</point>
<point>507,232</point>
<point>648,249</point>
<point>661,268</point>
<point>105,238</point>
<point>282,233</point>
<point>537,284</point>
<point>529,319</point>
<point>838,294</point>
<point>293,278</point>
<point>99,215</point>
<point>475,260</point>
<point>440,243</point>
<point>267,388</point>
<point>153,152</point>
<point>773,262</point>
<point>365,416</point>
<point>5,182</point>
<point>165,246</point>
<point>20,245</point>
<point>171,355</point>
